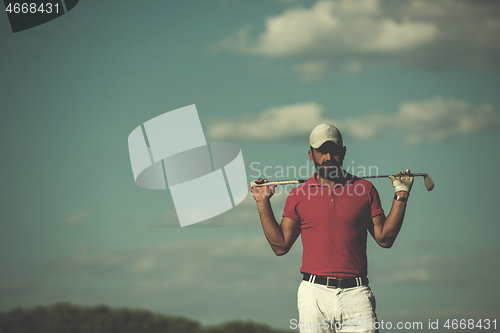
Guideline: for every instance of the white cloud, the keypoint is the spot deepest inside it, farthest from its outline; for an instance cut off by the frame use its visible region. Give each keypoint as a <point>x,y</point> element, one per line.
<point>392,36</point>
<point>17,287</point>
<point>411,276</point>
<point>423,121</point>
<point>333,27</point>
<point>274,123</point>
<point>432,269</point>
<point>182,263</point>
<point>439,119</point>
<point>244,215</point>
<point>85,260</point>
<point>335,33</point>
<point>291,2</point>
<point>207,279</point>
<point>219,279</point>
<point>315,70</point>
<point>241,268</point>
<point>77,217</point>
<point>296,30</point>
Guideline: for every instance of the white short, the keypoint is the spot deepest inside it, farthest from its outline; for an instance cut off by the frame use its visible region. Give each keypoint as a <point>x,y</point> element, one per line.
<point>323,309</point>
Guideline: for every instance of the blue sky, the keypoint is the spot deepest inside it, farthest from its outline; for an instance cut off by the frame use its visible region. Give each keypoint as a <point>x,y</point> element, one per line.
<point>411,84</point>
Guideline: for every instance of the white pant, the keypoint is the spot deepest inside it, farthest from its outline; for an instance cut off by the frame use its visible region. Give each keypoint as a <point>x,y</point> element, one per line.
<point>323,309</point>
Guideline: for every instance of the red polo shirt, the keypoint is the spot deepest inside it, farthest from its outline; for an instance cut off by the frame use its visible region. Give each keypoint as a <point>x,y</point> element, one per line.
<point>334,225</point>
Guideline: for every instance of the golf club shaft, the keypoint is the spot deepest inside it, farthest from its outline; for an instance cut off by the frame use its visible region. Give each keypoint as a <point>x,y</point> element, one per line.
<point>429,184</point>
<point>386,176</point>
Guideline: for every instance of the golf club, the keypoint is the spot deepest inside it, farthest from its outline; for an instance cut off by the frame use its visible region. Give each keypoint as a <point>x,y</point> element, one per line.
<point>429,183</point>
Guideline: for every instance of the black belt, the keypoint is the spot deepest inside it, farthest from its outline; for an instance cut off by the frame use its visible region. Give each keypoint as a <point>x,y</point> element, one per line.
<point>332,282</point>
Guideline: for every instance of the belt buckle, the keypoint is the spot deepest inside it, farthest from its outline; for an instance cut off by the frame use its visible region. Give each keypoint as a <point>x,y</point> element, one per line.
<point>328,282</point>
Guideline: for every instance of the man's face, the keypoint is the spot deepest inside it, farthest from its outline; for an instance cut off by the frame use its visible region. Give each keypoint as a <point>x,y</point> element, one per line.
<point>328,160</point>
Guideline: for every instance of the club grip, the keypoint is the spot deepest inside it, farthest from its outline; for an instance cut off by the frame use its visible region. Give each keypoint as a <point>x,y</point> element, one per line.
<point>277,182</point>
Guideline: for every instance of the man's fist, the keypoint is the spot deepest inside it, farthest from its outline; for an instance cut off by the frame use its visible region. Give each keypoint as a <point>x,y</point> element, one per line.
<point>403,181</point>
<point>262,193</point>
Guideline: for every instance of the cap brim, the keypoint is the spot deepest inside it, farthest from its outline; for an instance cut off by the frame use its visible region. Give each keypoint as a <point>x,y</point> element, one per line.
<point>319,143</point>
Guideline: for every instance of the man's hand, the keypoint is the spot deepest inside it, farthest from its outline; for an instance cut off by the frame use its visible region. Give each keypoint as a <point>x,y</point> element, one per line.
<point>262,193</point>
<point>403,181</point>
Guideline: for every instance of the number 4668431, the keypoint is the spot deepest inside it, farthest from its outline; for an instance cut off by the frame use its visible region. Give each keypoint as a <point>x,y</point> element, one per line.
<point>32,8</point>
<point>464,324</point>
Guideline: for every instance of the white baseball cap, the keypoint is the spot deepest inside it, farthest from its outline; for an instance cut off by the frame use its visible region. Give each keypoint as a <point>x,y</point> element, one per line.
<point>323,133</point>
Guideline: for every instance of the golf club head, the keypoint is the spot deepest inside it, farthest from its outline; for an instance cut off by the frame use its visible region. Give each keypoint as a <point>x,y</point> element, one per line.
<point>429,184</point>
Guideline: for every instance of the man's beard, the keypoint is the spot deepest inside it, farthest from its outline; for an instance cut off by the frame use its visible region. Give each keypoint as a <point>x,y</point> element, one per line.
<point>330,171</point>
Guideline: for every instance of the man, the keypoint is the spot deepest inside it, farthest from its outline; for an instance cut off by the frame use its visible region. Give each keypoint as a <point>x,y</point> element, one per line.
<point>333,211</point>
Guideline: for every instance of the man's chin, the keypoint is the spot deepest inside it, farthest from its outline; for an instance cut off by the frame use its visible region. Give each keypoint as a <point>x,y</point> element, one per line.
<point>330,172</point>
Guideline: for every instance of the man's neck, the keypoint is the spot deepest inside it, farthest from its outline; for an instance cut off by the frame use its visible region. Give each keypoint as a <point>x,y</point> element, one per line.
<point>342,177</point>
<point>328,182</point>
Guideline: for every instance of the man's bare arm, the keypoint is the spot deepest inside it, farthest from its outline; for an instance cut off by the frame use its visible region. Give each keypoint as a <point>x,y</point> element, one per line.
<point>280,236</point>
<point>385,230</point>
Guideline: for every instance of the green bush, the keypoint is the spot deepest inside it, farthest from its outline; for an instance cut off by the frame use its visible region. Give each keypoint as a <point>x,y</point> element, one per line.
<point>68,318</point>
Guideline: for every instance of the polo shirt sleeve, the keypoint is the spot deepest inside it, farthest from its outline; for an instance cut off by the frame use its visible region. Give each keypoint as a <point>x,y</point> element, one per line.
<point>376,205</point>
<point>290,210</point>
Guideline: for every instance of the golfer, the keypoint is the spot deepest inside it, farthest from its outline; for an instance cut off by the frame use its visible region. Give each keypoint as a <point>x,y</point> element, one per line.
<point>333,211</point>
